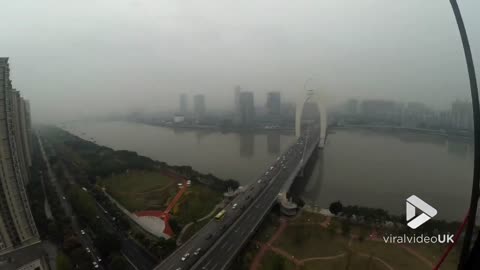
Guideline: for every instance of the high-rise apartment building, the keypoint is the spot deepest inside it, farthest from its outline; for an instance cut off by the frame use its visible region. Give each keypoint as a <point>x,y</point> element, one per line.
<point>199,107</point>
<point>183,106</point>
<point>352,106</point>
<point>273,106</point>
<point>247,109</point>
<point>236,105</point>
<point>462,115</point>
<point>17,227</point>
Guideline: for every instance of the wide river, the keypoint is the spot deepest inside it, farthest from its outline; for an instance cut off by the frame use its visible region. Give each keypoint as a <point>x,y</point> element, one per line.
<point>368,168</point>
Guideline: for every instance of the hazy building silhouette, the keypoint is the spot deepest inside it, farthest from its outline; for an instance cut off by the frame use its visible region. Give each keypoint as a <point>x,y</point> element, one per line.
<point>381,111</point>
<point>273,106</point>
<point>183,105</point>
<point>247,109</point>
<point>199,107</point>
<point>352,106</point>
<point>462,115</point>
<point>236,105</point>
<point>17,227</point>
<point>416,114</point>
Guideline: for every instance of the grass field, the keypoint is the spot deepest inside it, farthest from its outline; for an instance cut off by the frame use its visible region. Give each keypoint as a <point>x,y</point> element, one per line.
<point>306,241</point>
<point>394,255</point>
<point>139,190</point>
<point>356,262</point>
<point>321,248</point>
<point>152,190</point>
<point>197,202</point>
<point>272,261</point>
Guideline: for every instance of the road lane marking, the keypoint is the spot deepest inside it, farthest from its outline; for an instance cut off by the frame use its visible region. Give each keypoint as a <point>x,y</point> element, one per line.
<point>128,260</point>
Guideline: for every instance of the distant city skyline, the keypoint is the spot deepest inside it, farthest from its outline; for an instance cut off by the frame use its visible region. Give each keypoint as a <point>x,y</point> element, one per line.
<point>414,54</point>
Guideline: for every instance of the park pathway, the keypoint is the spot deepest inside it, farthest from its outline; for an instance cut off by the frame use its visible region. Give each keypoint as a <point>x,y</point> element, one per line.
<point>265,247</point>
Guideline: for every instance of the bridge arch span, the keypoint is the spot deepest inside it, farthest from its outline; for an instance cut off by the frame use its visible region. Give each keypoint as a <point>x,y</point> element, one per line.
<point>312,97</point>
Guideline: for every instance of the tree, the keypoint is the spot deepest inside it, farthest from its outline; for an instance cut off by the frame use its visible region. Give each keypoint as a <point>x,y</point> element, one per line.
<point>63,262</point>
<point>107,243</point>
<point>175,226</point>
<point>336,207</point>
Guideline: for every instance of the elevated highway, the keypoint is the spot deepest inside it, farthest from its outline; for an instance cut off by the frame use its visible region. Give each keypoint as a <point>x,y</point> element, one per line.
<point>219,241</point>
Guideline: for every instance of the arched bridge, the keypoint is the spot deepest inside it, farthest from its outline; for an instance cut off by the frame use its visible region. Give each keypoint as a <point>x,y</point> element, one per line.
<point>219,241</point>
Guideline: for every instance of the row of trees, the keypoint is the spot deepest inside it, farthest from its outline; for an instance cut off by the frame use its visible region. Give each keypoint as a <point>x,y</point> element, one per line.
<point>379,217</point>
<point>90,162</point>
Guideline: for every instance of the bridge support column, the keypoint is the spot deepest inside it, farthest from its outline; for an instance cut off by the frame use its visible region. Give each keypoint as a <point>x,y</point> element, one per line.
<point>287,207</point>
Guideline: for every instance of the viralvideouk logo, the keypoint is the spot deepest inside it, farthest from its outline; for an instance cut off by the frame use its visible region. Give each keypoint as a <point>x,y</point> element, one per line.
<point>428,212</point>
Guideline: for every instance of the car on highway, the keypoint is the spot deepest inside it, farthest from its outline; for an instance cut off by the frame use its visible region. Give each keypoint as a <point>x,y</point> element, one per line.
<point>88,250</point>
<point>95,265</point>
<point>64,198</point>
<point>185,257</point>
<point>197,251</point>
<point>82,232</point>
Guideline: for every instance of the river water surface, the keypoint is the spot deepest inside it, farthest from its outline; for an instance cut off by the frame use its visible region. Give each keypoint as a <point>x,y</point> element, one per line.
<point>363,167</point>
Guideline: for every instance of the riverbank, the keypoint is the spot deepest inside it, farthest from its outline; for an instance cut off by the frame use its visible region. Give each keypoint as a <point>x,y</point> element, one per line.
<point>138,183</point>
<point>216,128</point>
<point>442,133</point>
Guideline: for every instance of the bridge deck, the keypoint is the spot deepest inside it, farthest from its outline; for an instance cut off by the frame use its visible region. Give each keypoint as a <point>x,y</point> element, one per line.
<point>219,241</point>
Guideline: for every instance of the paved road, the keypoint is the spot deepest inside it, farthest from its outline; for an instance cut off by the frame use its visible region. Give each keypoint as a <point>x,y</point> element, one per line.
<point>225,249</point>
<point>137,258</point>
<point>222,239</point>
<point>135,255</point>
<point>84,239</point>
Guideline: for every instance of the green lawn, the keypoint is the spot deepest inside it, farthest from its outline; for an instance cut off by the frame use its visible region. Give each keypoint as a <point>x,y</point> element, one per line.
<point>272,261</point>
<point>392,254</point>
<point>141,190</point>
<point>434,251</point>
<point>197,202</point>
<point>152,190</point>
<point>308,217</point>
<point>356,263</point>
<point>306,241</point>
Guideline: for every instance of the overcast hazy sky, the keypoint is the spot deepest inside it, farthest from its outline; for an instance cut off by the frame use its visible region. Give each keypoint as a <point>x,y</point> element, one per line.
<point>76,58</point>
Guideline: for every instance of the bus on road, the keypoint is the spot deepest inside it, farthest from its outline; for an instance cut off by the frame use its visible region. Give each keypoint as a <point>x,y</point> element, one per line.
<point>220,215</point>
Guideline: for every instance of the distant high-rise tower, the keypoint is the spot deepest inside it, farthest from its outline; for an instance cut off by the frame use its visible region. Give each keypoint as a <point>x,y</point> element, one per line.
<point>247,109</point>
<point>199,107</point>
<point>183,109</point>
<point>236,105</point>
<point>273,106</point>
<point>17,227</point>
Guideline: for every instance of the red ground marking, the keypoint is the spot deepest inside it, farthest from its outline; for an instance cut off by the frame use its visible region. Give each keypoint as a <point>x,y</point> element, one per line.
<point>165,215</point>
